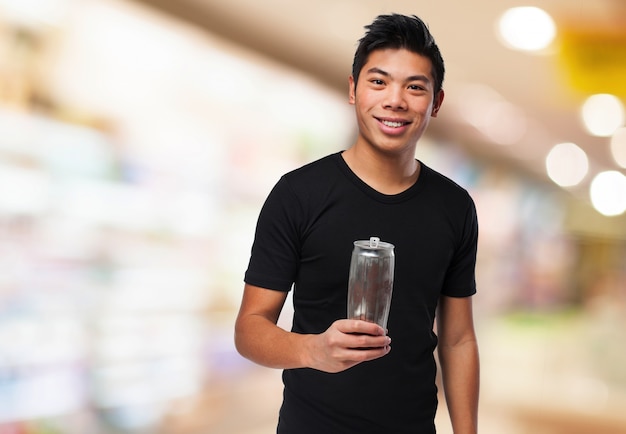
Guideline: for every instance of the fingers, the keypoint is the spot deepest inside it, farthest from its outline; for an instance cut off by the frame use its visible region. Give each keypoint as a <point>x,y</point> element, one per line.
<point>356,356</point>
<point>353,356</point>
<point>345,344</point>
<point>365,342</point>
<point>356,326</point>
<point>361,335</point>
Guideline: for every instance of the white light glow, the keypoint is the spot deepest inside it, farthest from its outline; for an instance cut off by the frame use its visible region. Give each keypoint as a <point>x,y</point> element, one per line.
<point>491,114</point>
<point>526,28</point>
<point>567,164</point>
<point>608,193</point>
<point>602,114</point>
<point>505,123</point>
<point>618,146</point>
<point>34,13</point>
<point>23,191</point>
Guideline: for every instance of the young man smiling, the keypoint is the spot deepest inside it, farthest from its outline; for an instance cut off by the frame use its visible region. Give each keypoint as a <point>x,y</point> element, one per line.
<point>340,376</point>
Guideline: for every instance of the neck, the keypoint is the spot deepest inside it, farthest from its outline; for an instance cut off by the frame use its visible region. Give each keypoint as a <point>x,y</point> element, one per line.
<point>388,174</point>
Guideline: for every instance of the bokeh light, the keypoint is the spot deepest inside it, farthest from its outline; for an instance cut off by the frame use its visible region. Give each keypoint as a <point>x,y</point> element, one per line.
<point>567,164</point>
<point>526,28</point>
<point>490,113</point>
<point>618,146</point>
<point>602,114</point>
<point>608,193</point>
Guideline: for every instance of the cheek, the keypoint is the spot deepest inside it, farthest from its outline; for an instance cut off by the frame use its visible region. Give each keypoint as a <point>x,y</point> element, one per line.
<point>362,107</point>
<point>425,108</point>
<point>364,101</point>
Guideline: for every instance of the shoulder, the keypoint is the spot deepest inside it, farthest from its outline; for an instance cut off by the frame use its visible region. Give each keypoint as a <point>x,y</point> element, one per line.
<point>305,185</point>
<point>314,168</point>
<point>442,185</point>
<point>313,175</point>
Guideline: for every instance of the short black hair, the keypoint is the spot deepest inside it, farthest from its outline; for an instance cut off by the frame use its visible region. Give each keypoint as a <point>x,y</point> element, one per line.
<point>399,31</point>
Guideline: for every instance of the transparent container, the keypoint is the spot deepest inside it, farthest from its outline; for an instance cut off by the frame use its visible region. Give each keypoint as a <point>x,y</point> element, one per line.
<point>371,281</point>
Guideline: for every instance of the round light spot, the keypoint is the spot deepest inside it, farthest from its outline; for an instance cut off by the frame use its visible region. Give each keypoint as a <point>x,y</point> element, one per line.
<point>618,146</point>
<point>608,193</point>
<point>567,164</point>
<point>526,28</point>
<point>602,114</point>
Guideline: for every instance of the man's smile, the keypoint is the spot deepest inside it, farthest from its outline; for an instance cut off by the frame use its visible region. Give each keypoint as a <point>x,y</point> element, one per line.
<point>393,123</point>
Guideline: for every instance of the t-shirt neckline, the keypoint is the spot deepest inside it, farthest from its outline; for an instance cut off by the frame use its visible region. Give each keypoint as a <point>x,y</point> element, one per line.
<point>415,188</point>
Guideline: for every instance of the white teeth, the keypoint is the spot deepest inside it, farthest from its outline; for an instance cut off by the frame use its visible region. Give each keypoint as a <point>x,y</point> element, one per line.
<point>393,124</point>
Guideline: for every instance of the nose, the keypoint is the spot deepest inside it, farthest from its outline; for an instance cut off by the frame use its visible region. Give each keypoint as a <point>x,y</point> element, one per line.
<point>395,98</point>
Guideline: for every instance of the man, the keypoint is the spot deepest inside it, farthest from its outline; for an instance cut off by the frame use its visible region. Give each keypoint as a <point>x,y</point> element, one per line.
<point>341,376</point>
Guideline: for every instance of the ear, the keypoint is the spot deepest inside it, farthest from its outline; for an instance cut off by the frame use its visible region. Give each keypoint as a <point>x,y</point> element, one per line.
<point>437,103</point>
<point>352,91</point>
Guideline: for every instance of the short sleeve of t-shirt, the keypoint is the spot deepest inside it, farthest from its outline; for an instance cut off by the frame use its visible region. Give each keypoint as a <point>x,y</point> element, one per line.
<point>275,251</point>
<point>460,280</point>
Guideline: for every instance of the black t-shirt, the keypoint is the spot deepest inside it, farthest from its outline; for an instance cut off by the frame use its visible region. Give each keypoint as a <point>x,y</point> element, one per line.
<point>304,238</point>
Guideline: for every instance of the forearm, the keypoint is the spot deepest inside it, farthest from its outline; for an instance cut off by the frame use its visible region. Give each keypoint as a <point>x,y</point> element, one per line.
<point>344,344</point>
<point>461,382</point>
<point>265,343</point>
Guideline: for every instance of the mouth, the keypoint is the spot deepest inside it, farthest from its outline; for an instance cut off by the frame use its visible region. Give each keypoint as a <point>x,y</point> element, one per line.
<point>393,123</point>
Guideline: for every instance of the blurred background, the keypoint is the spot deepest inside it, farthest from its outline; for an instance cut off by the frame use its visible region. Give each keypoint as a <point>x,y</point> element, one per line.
<point>139,138</point>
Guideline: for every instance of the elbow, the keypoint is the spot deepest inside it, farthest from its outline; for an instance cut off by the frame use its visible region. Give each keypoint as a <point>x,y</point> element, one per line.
<point>239,340</point>
<point>239,337</point>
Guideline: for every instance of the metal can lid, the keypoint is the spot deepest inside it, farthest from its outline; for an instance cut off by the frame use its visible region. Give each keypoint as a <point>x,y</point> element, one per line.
<point>374,243</point>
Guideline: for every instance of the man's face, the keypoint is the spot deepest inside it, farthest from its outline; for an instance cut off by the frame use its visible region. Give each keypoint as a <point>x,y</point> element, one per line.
<point>394,100</point>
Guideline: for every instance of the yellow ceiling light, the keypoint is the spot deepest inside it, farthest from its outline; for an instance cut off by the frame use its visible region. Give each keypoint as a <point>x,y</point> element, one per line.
<point>592,56</point>
<point>602,114</point>
<point>526,28</point>
<point>567,164</point>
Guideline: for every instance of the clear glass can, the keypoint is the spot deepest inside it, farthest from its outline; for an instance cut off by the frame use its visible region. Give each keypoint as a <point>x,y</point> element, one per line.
<point>370,283</point>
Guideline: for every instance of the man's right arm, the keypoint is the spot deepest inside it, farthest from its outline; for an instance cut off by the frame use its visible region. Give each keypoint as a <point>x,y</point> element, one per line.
<point>341,346</point>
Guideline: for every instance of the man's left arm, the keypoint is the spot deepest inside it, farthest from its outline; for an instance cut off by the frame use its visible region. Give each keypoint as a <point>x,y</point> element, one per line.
<point>458,357</point>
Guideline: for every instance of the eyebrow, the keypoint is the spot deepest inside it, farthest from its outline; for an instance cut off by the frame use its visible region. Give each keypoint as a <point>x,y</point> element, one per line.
<point>419,77</point>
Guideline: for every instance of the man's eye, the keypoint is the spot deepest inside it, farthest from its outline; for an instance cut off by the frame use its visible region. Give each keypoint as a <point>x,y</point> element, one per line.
<point>378,82</point>
<point>415,87</point>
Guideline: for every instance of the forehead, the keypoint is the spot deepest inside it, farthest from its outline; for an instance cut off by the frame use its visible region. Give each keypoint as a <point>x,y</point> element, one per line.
<point>398,62</point>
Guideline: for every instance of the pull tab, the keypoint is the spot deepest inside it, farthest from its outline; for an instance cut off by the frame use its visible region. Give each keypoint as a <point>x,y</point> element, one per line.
<point>374,242</point>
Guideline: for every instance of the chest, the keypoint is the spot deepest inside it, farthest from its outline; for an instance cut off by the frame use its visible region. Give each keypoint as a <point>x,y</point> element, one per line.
<point>424,237</point>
